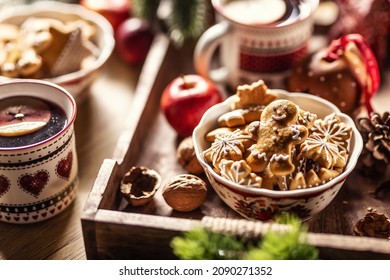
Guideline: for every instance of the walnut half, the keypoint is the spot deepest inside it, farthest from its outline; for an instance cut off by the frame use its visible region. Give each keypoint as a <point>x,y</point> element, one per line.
<point>139,185</point>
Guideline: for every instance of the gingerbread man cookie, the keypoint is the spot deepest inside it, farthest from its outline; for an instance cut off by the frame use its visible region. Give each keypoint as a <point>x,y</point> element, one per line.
<point>278,132</point>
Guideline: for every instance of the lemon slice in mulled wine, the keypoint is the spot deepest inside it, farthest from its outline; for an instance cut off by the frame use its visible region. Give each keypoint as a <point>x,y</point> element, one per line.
<point>22,115</point>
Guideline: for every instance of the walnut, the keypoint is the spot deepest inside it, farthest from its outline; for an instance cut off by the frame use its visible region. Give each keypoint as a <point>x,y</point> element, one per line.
<point>187,158</point>
<point>185,192</point>
<point>139,185</point>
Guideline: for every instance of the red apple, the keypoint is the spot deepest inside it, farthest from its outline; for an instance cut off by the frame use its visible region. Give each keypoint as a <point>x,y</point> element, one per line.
<point>186,99</point>
<point>133,39</point>
<point>115,11</point>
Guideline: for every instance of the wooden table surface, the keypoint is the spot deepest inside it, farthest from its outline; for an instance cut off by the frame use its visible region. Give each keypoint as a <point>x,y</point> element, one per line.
<point>100,120</point>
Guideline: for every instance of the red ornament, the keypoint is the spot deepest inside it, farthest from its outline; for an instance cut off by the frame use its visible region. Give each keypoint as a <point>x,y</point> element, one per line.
<point>370,18</point>
<point>345,73</point>
<point>133,39</point>
<point>115,11</point>
<point>371,85</point>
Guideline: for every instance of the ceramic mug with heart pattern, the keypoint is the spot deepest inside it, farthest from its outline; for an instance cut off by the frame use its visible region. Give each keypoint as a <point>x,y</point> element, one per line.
<point>38,160</point>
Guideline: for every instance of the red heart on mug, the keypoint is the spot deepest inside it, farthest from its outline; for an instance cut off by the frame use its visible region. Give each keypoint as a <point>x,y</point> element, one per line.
<point>34,184</point>
<point>4,185</point>
<point>65,165</point>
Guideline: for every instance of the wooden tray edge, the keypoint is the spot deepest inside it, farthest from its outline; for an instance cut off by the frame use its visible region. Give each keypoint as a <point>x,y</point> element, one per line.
<point>330,246</point>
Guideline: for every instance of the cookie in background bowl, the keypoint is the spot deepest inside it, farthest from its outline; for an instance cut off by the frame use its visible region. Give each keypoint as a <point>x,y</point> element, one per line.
<point>62,43</point>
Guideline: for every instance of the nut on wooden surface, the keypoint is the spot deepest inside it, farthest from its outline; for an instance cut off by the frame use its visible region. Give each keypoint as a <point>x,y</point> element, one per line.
<point>186,156</point>
<point>139,185</point>
<point>185,192</point>
<point>373,225</point>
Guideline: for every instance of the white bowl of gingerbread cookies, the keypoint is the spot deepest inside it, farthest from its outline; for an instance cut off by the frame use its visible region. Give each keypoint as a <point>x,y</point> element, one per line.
<point>267,151</point>
<point>63,43</point>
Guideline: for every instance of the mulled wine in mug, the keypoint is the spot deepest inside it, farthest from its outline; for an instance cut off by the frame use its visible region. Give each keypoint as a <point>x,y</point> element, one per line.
<point>38,160</point>
<point>255,39</point>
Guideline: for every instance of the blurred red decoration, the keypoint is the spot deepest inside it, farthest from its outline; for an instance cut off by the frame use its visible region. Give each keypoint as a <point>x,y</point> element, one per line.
<point>115,11</point>
<point>371,19</point>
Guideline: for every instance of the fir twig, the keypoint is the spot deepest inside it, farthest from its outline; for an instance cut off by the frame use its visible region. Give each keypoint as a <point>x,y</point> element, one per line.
<point>288,245</point>
<point>202,244</point>
<point>183,20</point>
<point>188,19</point>
<point>146,9</point>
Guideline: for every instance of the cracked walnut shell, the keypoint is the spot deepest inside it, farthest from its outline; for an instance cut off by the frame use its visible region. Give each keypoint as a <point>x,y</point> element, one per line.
<point>185,192</point>
<point>139,185</point>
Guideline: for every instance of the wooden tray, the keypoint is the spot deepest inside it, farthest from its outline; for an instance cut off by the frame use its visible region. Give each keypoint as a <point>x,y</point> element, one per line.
<point>114,230</point>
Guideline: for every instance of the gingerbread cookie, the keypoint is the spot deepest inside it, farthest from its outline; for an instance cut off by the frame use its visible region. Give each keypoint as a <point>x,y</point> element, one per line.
<point>302,180</point>
<point>306,118</point>
<point>66,52</point>
<point>253,129</point>
<point>253,95</point>
<point>327,142</point>
<point>278,132</point>
<point>239,172</point>
<point>286,148</point>
<point>241,116</point>
<point>232,118</point>
<point>210,136</point>
<point>45,47</point>
<point>227,146</point>
<point>22,58</point>
<point>269,180</point>
<point>248,104</point>
<point>9,33</point>
<point>35,33</point>
<point>20,62</point>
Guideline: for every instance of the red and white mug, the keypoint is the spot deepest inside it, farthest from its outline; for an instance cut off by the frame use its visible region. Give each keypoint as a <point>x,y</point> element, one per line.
<point>38,164</point>
<point>256,39</point>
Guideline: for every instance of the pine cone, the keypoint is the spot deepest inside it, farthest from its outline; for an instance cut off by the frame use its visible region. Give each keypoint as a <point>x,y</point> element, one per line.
<point>376,152</point>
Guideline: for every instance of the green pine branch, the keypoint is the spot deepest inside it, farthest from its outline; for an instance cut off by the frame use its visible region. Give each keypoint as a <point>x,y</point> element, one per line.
<point>202,244</point>
<point>287,245</point>
<point>146,9</point>
<point>187,19</point>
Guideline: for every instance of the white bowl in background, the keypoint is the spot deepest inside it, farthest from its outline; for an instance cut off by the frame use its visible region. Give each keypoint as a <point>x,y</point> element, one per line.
<point>76,82</point>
